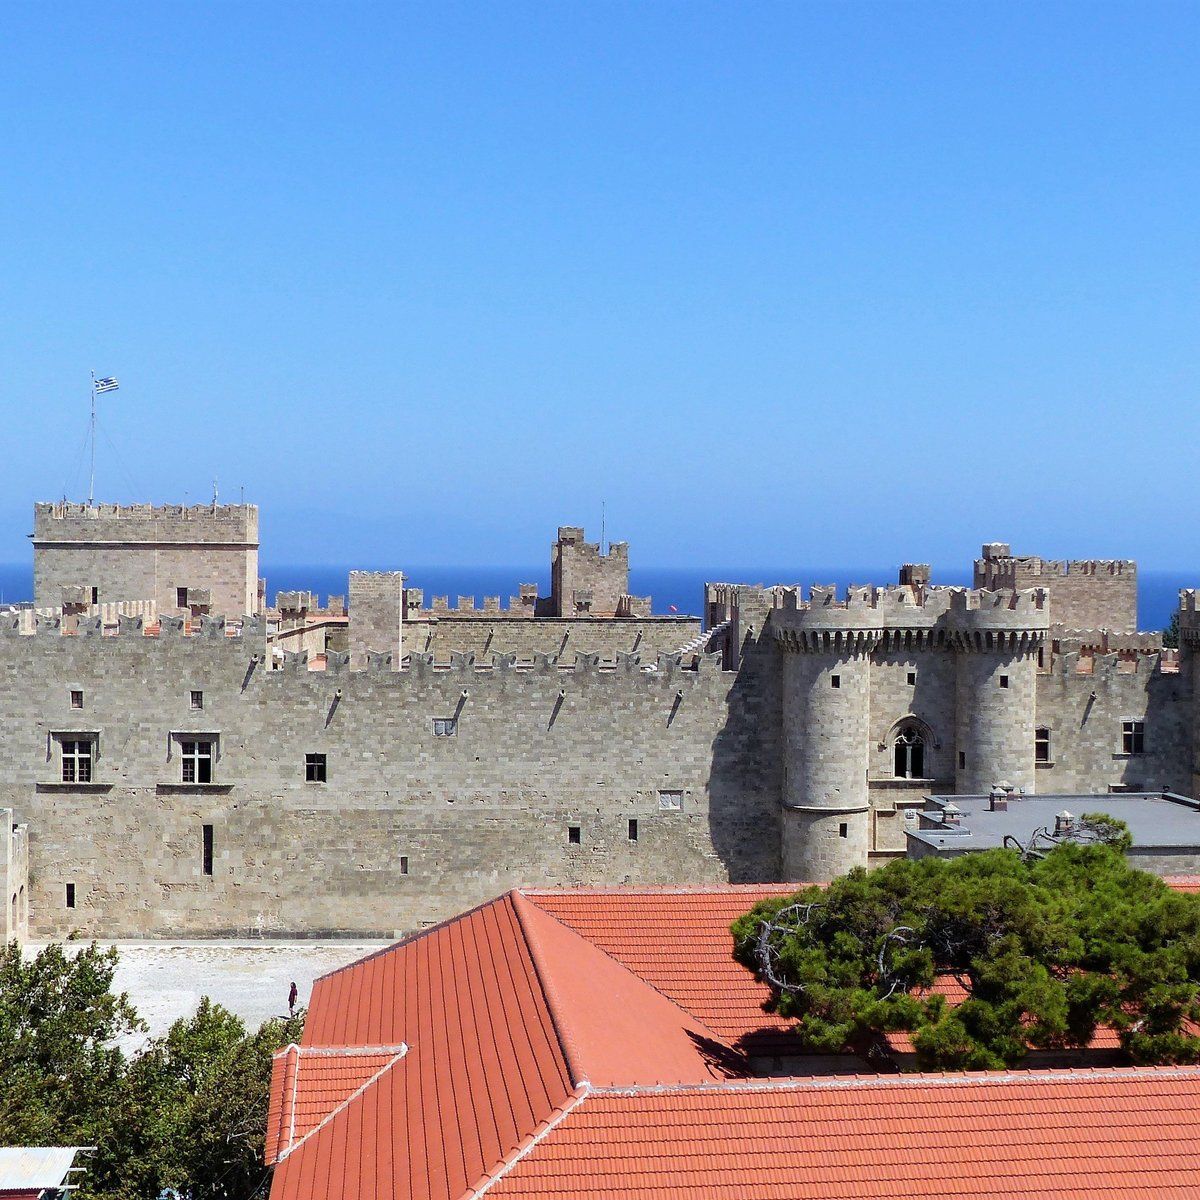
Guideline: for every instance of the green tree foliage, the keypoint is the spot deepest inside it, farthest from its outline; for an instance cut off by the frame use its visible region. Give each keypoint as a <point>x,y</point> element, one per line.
<point>186,1116</point>
<point>1171,633</point>
<point>61,1076</point>
<point>1047,948</point>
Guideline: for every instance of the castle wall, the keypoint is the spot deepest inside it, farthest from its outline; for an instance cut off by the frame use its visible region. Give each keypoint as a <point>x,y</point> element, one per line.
<point>376,616</point>
<point>1084,714</point>
<point>582,579</point>
<point>409,826</point>
<point>605,636</point>
<point>143,552</point>
<point>1084,594</point>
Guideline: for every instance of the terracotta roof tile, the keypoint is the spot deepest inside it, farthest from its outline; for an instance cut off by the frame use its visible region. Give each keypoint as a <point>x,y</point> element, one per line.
<point>309,1085</point>
<point>484,1068</point>
<point>644,930</point>
<point>615,1028</point>
<point>1045,1136</point>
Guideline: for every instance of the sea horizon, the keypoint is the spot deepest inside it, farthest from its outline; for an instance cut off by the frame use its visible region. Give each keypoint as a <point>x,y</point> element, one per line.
<point>673,590</point>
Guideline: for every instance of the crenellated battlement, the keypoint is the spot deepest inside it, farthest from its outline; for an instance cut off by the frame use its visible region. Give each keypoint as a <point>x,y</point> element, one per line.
<point>1086,593</point>
<point>901,615</point>
<point>65,511</point>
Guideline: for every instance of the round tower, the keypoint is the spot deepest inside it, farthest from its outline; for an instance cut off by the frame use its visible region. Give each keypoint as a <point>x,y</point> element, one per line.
<point>1189,668</point>
<point>826,736</point>
<point>997,636</point>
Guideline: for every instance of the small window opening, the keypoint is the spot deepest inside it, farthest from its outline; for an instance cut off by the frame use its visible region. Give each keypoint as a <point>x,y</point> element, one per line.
<point>70,895</point>
<point>633,830</point>
<point>1041,657</point>
<point>207,853</point>
<point>76,760</point>
<point>1133,737</point>
<point>95,595</point>
<point>1041,745</point>
<point>909,755</point>
<point>1004,681</point>
<point>197,761</point>
<point>197,699</point>
<point>314,768</point>
<point>835,681</point>
<point>404,864</point>
<point>962,759</point>
<point>843,830</point>
<point>77,699</point>
<point>574,835</point>
<point>912,678</point>
<point>181,598</point>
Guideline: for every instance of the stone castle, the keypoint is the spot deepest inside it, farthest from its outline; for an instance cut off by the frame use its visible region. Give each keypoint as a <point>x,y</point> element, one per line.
<point>181,760</point>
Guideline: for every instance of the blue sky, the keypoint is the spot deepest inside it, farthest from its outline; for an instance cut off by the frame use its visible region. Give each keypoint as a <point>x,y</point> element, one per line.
<point>778,284</point>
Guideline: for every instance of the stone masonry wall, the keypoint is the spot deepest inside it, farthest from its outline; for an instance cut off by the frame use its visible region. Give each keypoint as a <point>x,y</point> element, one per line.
<point>376,615</point>
<point>409,827</point>
<point>1085,594</point>
<point>605,636</point>
<point>143,552</point>
<point>1084,714</point>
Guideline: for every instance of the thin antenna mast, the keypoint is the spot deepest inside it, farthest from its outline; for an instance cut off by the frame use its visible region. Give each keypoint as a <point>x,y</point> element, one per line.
<point>99,387</point>
<point>603,547</point>
<point>92,440</point>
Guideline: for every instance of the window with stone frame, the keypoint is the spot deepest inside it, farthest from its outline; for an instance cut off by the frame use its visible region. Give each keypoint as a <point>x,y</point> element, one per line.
<point>1041,744</point>
<point>1133,737</point>
<point>908,753</point>
<point>197,757</point>
<point>77,753</point>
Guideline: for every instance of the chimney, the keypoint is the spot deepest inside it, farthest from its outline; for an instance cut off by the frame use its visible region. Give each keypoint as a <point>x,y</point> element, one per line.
<point>998,799</point>
<point>1064,823</point>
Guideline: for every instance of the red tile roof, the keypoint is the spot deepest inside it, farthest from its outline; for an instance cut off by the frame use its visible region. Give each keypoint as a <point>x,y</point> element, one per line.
<point>310,1085</point>
<point>646,928</point>
<point>483,1072</point>
<point>577,1044</point>
<point>508,1016</point>
<point>1061,1135</point>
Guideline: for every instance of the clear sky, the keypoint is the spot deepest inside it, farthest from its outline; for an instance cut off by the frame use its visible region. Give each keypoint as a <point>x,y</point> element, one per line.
<point>777,283</point>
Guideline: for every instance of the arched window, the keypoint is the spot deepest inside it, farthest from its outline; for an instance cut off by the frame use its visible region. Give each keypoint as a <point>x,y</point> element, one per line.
<point>910,753</point>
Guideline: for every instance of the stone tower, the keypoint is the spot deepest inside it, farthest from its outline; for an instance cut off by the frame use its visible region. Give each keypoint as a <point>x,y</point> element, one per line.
<point>198,559</point>
<point>996,637</point>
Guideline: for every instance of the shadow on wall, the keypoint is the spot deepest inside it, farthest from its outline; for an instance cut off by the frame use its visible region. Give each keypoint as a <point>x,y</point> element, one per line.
<point>745,783</point>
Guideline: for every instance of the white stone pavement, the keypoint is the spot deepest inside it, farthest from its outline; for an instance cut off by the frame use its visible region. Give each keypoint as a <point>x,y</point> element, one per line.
<point>165,980</point>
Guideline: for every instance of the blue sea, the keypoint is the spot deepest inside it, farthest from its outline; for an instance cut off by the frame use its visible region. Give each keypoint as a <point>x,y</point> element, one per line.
<point>673,589</point>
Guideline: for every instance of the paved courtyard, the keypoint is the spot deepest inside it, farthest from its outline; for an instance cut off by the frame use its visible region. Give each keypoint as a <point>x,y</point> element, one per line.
<point>165,980</point>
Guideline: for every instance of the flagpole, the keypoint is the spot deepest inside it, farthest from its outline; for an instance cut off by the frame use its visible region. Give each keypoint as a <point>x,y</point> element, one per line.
<point>92,475</point>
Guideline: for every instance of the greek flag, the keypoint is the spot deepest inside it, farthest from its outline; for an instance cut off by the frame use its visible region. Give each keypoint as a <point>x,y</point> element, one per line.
<point>106,385</point>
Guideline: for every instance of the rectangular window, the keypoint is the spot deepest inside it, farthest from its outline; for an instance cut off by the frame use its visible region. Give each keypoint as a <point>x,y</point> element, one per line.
<point>1133,737</point>
<point>835,681</point>
<point>962,759</point>
<point>197,760</point>
<point>843,830</point>
<point>574,835</point>
<point>95,595</point>
<point>76,699</point>
<point>77,753</point>
<point>197,699</point>
<point>314,768</point>
<point>1004,681</point>
<point>181,598</point>
<point>670,801</point>
<point>633,829</point>
<point>445,726</point>
<point>1041,745</point>
<point>70,895</point>
<point>207,849</point>
<point>404,864</point>
<point>912,678</point>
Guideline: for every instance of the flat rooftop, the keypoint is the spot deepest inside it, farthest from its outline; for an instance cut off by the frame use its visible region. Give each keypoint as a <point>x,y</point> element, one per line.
<point>1157,820</point>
